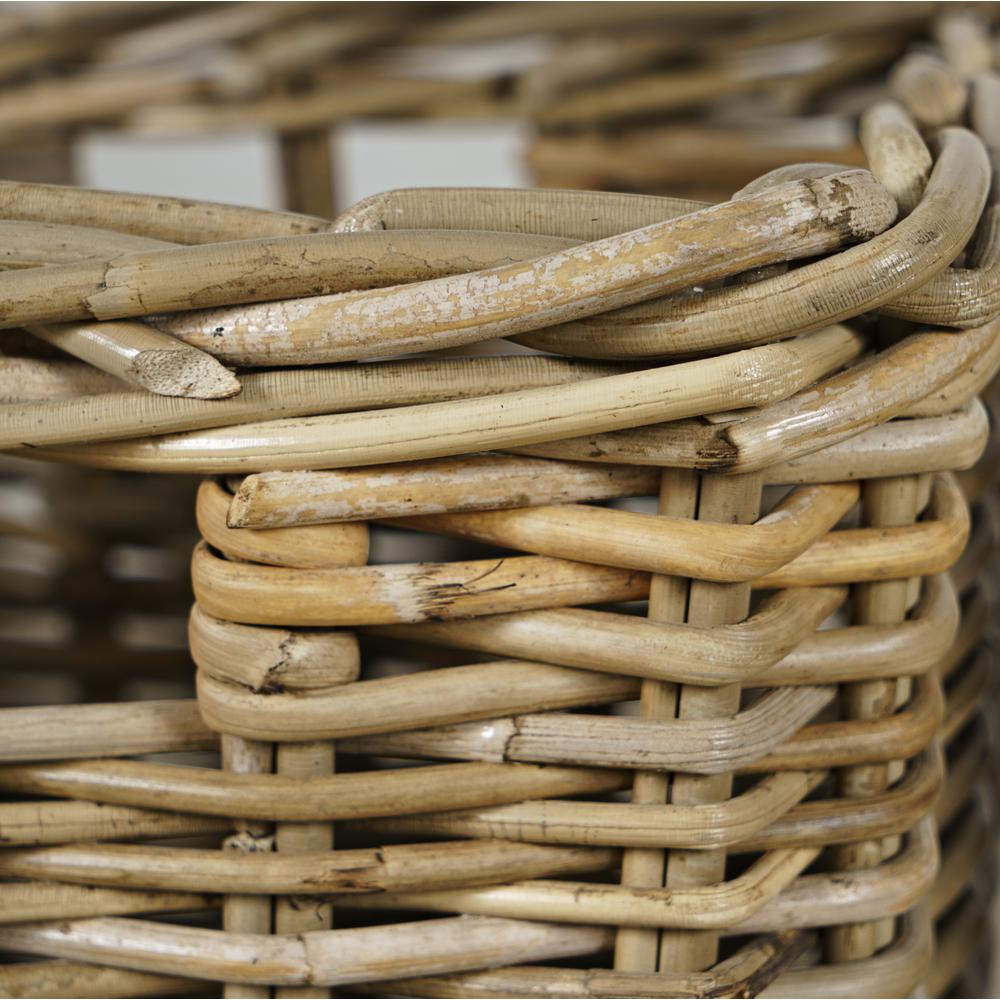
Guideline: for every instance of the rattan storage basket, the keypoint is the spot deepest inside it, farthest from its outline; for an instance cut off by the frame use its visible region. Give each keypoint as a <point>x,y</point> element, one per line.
<point>652,647</point>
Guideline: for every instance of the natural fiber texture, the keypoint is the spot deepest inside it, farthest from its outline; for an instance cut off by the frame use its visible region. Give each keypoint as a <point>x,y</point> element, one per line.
<point>660,674</point>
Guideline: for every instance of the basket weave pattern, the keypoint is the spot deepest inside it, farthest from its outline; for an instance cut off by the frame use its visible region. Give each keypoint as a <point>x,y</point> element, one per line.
<point>652,665</point>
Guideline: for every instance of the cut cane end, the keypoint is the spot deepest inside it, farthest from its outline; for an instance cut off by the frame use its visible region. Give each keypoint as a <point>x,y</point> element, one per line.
<point>240,514</point>
<point>856,201</point>
<point>183,371</point>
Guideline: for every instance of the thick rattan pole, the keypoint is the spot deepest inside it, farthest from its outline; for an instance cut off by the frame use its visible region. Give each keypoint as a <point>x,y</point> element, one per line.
<point>735,499</point>
<point>636,948</point>
<point>246,914</point>
<point>472,482</point>
<point>886,503</point>
<point>178,220</point>
<point>296,915</point>
<point>932,91</point>
<point>292,914</point>
<point>58,403</point>
<point>328,958</point>
<point>898,156</point>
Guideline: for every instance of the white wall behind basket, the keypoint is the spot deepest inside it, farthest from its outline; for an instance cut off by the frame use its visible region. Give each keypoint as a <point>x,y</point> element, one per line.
<point>241,168</point>
<point>372,156</point>
<point>369,156</point>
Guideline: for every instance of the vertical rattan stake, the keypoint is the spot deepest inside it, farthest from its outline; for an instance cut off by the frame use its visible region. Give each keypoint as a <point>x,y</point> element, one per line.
<point>886,503</point>
<point>637,948</point>
<point>247,914</point>
<point>734,499</point>
<point>298,915</point>
<point>295,915</point>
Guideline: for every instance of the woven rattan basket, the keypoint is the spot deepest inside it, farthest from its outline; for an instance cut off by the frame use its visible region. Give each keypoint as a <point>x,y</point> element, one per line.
<point>652,646</point>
